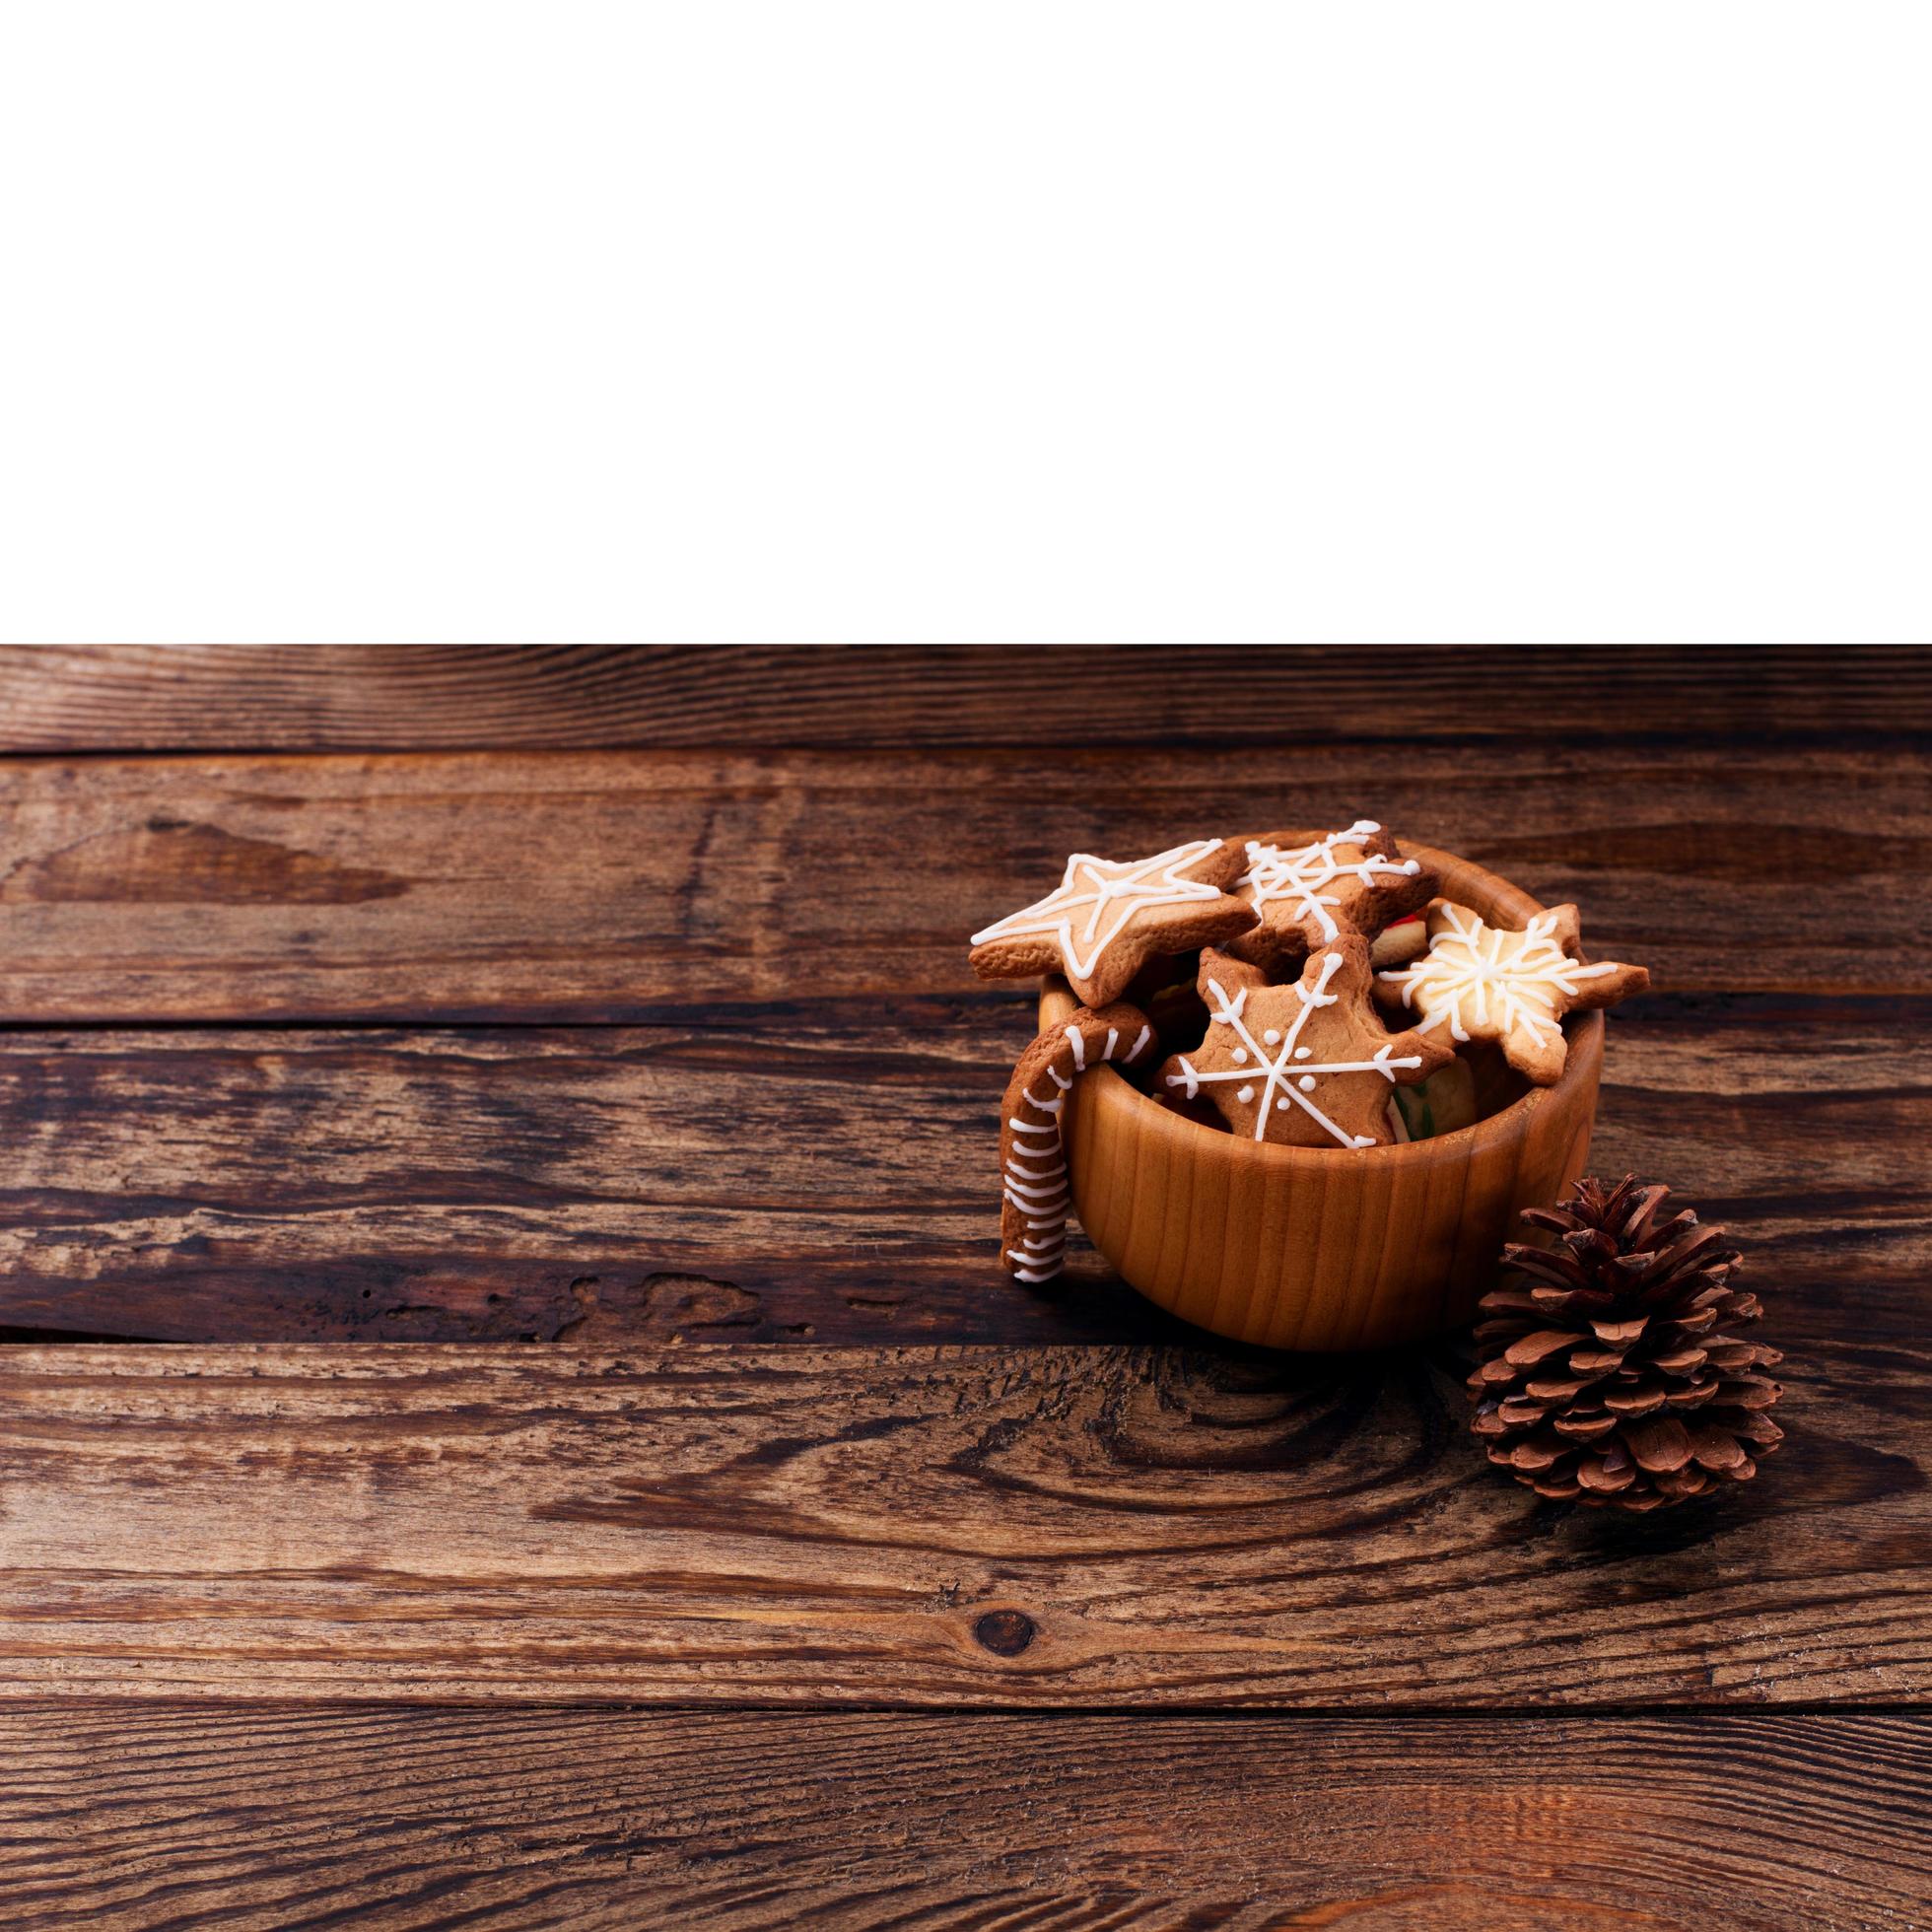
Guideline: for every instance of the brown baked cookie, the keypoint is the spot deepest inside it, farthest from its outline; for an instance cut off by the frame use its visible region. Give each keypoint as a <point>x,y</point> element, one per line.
<point>1354,880</point>
<point>1480,982</point>
<point>1308,1064</point>
<point>1107,920</point>
<point>1032,1160</point>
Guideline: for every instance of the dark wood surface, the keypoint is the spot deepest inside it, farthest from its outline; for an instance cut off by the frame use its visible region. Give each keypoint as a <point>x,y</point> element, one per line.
<point>606,1014</point>
<point>633,885</point>
<point>815,1172</point>
<point>1021,1526</point>
<point>269,1817</point>
<point>364,697</point>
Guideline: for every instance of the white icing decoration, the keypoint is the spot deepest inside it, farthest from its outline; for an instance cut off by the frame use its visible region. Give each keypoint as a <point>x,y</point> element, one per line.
<point>1047,1193</point>
<point>1228,1013</point>
<point>1109,894</point>
<point>1300,875</point>
<point>1244,1094</point>
<point>1459,978</point>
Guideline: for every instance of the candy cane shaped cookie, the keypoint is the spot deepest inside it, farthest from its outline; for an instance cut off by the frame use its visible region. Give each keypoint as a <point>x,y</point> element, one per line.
<point>1032,1156</point>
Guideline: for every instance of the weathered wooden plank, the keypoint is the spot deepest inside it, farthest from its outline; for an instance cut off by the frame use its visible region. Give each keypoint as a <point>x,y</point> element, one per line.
<point>309,697</point>
<point>994,1527</point>
<point>611,885</point>
<point>129,1816</point>
<point>810,1172</point>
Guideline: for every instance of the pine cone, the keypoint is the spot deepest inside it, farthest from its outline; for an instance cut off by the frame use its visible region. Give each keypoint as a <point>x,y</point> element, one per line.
<point>1610,1368</point>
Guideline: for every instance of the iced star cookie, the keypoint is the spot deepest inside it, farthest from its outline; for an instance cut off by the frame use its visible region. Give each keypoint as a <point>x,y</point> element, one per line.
<point>1033,1181</point>
<point>1308,1064</point>
<point>1354,880</point>
<point>1107,920</point>
<point>1480,982</point>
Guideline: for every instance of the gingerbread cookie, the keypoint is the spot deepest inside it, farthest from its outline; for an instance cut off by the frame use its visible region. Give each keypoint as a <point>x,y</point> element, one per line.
<point>1304,895</point>
<point>1107,920</point>
<point>1032,1158</point>
<point>1308,1064</point>
<point>1480,982</point>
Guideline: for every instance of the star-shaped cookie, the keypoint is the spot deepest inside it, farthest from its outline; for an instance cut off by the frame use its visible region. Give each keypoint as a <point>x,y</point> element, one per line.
<point>1354,880</point>
<point>1107,918</point>
<point>1308,1064</point>
<point>1480,982</point>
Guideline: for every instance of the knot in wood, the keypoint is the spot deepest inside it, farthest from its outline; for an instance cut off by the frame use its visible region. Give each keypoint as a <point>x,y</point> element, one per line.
<point>1005,1632</point>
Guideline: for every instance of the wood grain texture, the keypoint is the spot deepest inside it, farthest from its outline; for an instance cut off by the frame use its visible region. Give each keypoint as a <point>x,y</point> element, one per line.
<point>122,1817</point>
<point>321,697</point>
<point>917,1526</point>
<point>813,1172</point>
<point>790,1141</point>
<point>611,885</point>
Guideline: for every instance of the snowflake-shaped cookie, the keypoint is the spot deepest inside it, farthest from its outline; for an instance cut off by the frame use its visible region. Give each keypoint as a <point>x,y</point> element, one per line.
<point>1480,982</point>
<point>1349,882</point>
<point>1107,918</point>
<point>1307,1064</point>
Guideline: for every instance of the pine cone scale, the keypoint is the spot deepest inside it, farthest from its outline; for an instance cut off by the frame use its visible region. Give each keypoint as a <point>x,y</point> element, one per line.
<point>1596,1362</point>
<point>1586,1427</point>
<point>1620,1330</point>
<point>1531,1349</point>
<point>1661,1444</point>
<point>1717,1449</point>
<point>1604,1476</point>
<point>1695,1395</point>
<point>1560,1391</point>
<point>1553,1218</point>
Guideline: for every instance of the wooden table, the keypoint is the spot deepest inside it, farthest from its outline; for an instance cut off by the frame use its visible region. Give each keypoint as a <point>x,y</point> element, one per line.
<point>524,1128</point>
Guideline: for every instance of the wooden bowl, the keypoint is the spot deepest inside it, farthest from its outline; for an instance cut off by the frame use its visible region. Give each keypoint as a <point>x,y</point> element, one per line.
<point>1325,1248</point>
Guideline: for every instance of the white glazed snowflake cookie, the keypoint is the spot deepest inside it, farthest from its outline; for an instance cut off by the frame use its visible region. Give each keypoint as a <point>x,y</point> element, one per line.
<point>1480,982</point>
<point>1107,918</point>
<point>1308,1064</point>
<point>1305,895</point>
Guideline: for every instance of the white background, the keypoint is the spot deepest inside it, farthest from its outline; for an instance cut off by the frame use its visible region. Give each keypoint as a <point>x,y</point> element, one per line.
<point>995,319</point>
